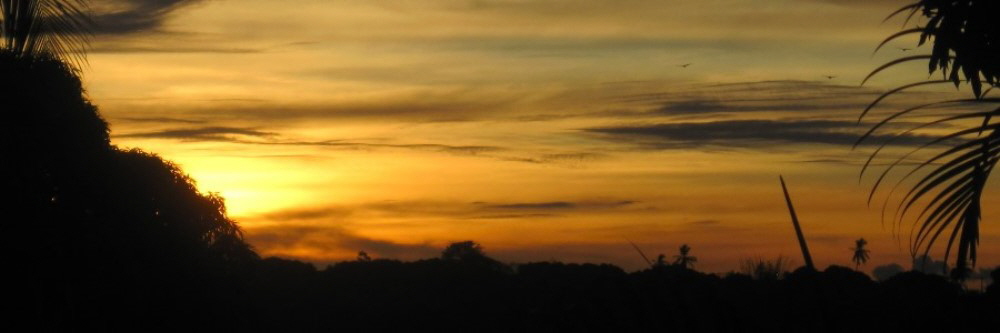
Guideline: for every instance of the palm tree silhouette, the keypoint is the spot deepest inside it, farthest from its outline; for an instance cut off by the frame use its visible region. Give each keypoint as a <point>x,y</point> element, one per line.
<point>860,253</point>
<point>45,28</point>
<point>966,46</point>
<point>683,259</point>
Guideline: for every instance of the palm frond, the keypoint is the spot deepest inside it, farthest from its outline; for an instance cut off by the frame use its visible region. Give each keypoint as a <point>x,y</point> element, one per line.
<point>936,141</point>
<point>894,91</point>
<point>45,28</point>
<point>953,188</point>
<point>911,7</point>
<point>898,35</point>
<point>965,37</point>
<point>893,63</point>
<point>966,44</point>
<point>892,117</point>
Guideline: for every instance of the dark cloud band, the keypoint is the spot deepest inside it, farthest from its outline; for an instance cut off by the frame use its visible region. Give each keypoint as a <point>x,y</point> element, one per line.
<point>750,133</point>
<point>131,16</point>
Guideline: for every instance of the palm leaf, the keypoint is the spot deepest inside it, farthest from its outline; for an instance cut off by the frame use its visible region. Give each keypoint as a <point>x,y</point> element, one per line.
<point>954,187</point>
<point>45,28</point>
<point>890,118</point>
<point>911,7</point>
<point>893,63</point>
<point>918,149</point>
<point>894,91</point>
<point>897,35</point>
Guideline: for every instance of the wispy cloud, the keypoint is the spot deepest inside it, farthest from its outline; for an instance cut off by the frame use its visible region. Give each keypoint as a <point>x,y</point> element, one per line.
<point>881,3</point>
<point>428,106</point>
<point>706,106</point>
<point>140,48</point>
<point>230,134</point>
<point>328,243</point>
<point>705,223</point>
<point>309,214</point>
<point>802,98</point>
<point>132,16</point>
<point>749,133</point>
<point>256,136</point>
<point>241,134</point>
<point>452,209</point>
<point>558,205</point>
<point>159,120</point>
<point>757,91</point>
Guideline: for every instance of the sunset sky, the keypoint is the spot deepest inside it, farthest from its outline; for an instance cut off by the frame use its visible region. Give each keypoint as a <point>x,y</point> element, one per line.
<point>542,129</point>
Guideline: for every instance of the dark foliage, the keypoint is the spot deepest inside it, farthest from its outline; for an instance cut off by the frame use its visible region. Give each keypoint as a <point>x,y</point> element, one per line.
<point>98,237</point>
<point>966,36</point>
<point>441,295</point>
<point>965,48</point>
<point>111,240</point>
<point>471,253</point>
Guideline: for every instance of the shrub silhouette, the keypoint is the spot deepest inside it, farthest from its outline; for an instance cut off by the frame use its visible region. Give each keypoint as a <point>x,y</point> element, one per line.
<point>763,269</point>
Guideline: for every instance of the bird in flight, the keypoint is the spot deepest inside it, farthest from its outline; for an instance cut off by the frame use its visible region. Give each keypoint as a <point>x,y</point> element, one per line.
<point>684,65</point>
<point>903,49</point>
<point>829,77</point>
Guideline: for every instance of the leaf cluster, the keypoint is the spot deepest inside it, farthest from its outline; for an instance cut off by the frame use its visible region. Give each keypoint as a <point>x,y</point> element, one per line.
<point>965,48</point>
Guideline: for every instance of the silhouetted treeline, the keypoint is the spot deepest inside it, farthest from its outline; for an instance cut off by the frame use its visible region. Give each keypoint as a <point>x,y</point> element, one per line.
<point>449,295</point>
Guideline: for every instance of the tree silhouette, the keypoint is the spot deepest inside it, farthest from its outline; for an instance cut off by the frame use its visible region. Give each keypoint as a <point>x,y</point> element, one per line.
<point>965,49</point>
<point>103,238</point>
<point>683,259</point>
<point>471,254</point>
<point>463,251</point>
<point>363,256</point>
<point>860,253</point>
<point>104,235</point>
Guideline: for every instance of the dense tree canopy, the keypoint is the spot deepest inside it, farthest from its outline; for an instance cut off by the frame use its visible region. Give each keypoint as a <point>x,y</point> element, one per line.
<point>101,236</point>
